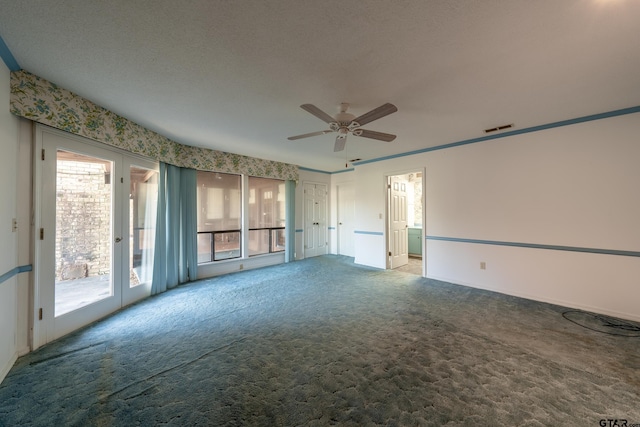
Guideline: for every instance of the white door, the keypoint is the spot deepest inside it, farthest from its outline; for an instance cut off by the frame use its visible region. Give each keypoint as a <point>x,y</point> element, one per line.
<point>398,227</point>
<point>88,251</point>
<point>346,219</point>
<point>315,219</point>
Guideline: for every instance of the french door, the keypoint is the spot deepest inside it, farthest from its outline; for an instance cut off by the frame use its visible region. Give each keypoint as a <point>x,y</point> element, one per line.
<point>95,228</point>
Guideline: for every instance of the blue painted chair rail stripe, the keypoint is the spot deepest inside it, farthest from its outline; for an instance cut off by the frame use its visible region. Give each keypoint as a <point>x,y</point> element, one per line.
<point>538,246</point>
<point>614,113</point>
<point>561,123</point>
<point>9,274</point>
<point>313,170</point>
<point>7,57</point>
<point>371,233</point>
<point>344,170</point>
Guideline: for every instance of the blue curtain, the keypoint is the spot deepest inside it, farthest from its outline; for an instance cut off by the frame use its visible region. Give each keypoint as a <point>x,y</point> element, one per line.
<point>290,221</point>
<point>189,217</point>
<point>175,259</point>
<point>159,281</point>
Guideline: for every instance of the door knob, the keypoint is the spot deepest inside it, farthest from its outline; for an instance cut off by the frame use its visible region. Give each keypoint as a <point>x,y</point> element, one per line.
<point>118,239</point>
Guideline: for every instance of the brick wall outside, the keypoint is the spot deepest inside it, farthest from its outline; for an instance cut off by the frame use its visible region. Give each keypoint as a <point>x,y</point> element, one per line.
<point>83,220</point>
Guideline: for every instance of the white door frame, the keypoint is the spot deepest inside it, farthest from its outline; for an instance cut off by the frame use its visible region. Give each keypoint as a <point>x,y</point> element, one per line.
<point>345,229</point>
<point>424,215</point>
<point>44,328</point>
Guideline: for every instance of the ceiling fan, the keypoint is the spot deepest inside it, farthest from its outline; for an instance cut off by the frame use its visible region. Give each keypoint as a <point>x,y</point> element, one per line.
<point>345,123</point>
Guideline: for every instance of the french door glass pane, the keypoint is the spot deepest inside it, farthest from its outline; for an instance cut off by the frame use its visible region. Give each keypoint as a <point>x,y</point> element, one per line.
<point>143,203</point>
<point>84,200</point>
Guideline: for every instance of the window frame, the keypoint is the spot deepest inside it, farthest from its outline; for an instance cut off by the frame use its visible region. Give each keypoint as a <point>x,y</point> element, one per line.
<point>245,229</point>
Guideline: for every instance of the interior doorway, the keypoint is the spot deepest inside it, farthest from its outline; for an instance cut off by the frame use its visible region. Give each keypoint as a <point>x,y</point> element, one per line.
<point>346,218</point>
<point>405,217</point>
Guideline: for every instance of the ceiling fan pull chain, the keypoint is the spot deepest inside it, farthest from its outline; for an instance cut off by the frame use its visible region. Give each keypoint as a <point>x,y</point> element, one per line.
<point>346,159</point>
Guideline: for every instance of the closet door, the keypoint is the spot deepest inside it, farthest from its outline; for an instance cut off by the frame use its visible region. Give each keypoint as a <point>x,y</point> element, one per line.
<point>315,219</point>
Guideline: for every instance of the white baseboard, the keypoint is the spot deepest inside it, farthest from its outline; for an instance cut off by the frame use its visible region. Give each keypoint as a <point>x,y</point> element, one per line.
<point>562,303</point>
<point>231,266</point>
<point>7,367</point>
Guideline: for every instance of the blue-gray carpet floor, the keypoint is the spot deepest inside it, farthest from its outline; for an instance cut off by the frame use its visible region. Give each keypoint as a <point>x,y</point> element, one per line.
<point>326,342</point>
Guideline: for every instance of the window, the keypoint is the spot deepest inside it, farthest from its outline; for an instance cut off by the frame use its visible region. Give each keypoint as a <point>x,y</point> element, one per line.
<point>219,216</point>
<point>233,224</point>
<point>266,216</point>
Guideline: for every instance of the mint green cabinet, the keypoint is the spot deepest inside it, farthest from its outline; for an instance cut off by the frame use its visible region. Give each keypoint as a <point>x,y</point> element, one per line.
<point>415,241</point>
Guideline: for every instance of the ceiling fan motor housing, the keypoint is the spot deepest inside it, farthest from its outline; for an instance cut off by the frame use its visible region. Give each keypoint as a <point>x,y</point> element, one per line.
<point>344,117</point>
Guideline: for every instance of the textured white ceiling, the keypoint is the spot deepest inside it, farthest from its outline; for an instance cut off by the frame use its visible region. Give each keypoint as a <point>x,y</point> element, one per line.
<point>231,75</point>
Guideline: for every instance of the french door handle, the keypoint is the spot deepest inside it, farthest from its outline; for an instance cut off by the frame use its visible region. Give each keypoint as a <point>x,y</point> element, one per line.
<point>118,239</point>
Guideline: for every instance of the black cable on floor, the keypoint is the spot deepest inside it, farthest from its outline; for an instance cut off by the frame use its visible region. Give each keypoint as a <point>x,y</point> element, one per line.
<point>632,330</point>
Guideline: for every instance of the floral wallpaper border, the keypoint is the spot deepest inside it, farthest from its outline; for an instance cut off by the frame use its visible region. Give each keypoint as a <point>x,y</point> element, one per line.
<point>37,99</point>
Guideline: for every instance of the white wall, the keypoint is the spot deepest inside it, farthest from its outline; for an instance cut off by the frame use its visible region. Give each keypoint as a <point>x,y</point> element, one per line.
<point>371,208</point>
<point>8,238</point>
<point>573,186</point>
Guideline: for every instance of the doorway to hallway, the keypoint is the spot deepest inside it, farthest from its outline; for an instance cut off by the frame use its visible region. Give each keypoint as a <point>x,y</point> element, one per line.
<point>346,210</point>
<point>405,217</point>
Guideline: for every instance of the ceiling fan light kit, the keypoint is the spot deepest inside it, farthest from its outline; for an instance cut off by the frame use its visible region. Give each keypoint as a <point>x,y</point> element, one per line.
<point>345,123</point>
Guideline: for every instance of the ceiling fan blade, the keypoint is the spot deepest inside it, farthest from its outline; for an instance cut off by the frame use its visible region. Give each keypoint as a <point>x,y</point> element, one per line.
<point>375,135</point>
<point>340,142</point>
<point>318,113</point>
<point>376,113</point>
<point>307,135</point>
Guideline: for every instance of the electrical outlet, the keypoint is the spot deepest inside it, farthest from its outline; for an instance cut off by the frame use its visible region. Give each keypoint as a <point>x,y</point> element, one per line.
<point>14,225</point>
<point>483,265</point>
